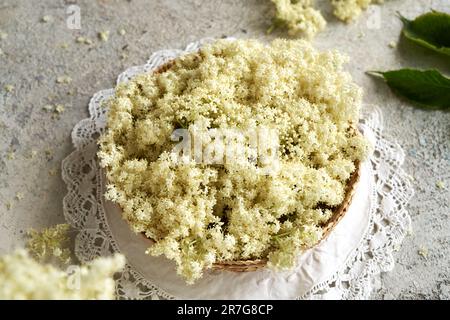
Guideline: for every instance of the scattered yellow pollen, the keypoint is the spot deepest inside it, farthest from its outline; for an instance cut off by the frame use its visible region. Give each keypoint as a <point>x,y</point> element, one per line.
<point>59,108</point>
<point>64,80</point>
<point>392,44</point>
<point>440,184</point>
<point>84,40</point>
<point>423,251</point>
<point>48,107</point>
<point>104,35</point>
<point>46,19</point>
<point>49,152</point>
<point>9,88</point>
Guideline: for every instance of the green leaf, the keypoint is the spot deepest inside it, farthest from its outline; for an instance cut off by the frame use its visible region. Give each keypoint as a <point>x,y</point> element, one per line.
<point>430,30</point>
<point>428,88</point>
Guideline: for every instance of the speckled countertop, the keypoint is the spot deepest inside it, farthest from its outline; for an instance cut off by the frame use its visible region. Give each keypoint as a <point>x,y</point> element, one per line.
<point>34,141</point>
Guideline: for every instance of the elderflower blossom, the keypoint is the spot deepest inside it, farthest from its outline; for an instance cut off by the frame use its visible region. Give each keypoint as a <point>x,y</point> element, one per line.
<point>23,278</point>
<point>199,214</point>
<point>300,18</point>
<point>348,10</point>
<point>50,243</point>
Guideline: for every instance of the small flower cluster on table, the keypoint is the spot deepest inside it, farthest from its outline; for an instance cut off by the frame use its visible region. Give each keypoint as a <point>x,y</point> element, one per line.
<point>42,271</point>
<point>300,18</point>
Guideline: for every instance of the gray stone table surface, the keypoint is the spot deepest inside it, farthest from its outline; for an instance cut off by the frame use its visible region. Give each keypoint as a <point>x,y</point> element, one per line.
<point>34,53</point>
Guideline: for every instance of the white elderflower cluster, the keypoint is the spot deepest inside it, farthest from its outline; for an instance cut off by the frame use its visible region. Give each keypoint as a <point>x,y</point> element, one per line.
<point>299,17</point>
<point>348,10</point>
<point>50,243</point>
<point>199,213</point>
<point>23,278</point>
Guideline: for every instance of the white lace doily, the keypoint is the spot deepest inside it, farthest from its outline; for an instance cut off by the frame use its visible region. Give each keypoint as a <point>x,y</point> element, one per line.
<point>372,229</point>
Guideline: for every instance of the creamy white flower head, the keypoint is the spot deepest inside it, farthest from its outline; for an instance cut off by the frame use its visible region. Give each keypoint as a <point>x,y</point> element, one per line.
<point>200,213</point>
<point>348,10</point>
<point>23,278</point>
<point>299,17</point>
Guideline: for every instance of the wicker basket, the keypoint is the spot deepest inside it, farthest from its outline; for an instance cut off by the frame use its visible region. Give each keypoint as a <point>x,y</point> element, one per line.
<point>339,212</point>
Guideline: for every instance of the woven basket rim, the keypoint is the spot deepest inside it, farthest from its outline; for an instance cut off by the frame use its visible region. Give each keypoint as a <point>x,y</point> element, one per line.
<point>339,212</point>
